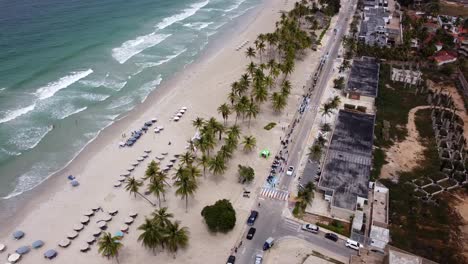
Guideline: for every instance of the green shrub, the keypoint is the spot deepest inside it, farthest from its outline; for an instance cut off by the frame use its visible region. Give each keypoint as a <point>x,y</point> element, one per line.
<point>220,217</point>
<point>270,126</point>
<point>246,174</point>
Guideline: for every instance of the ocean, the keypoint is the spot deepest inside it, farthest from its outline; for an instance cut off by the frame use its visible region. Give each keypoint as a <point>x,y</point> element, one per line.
<point>68,69</point>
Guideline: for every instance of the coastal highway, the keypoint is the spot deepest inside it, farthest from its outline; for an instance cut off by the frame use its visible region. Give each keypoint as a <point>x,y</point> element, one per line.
<point>271,222</point>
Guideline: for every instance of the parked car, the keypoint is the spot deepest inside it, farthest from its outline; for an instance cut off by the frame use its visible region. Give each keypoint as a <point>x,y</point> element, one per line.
<point>310,228</point>
<point>231,260</point>
<point>253,216</point>
<point>258,259</point>
<point>268,243</point>
<point>290,171</point>
<point>251,233</point>
<point>331,236</point>
<point>353,244</point>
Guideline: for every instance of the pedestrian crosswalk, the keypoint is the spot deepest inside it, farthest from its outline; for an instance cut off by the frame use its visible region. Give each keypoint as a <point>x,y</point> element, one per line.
<point>274,194</point>
<point>291,225</point>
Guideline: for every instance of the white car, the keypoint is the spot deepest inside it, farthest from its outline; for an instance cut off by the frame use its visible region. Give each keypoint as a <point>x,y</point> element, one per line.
<point>290,171</point>
<point>310,228</point>
<point>353,244</point>
<point>258,259</point>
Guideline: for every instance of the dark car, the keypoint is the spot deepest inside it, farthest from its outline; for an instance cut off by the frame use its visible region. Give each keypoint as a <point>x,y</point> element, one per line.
<point>231,260</point>
<point>331,236</point>
<point>251,233</point>
<point>253,216</point>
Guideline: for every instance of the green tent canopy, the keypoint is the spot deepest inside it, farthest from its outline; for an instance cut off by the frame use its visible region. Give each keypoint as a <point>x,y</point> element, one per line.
<point>265,153</point>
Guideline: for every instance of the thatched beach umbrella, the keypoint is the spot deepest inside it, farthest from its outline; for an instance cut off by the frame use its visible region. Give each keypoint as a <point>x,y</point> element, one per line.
<point>64,243</point>
<point>72,234</point>
<point>14,257</point>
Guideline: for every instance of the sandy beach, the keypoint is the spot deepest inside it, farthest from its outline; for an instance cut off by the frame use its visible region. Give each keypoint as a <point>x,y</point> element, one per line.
<point>51,210</point>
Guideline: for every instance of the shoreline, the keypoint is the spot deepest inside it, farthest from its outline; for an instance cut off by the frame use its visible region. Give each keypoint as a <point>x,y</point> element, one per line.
<point>106,135</point>
<point>50,210</point>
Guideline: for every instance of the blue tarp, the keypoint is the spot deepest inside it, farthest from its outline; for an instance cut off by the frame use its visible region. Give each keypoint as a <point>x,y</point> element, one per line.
<point>50,254</point>
<point>22,250</point>
<point>18,234</point>
<point>75,183</point>
<point>37,244</point>
<point>71,177</point>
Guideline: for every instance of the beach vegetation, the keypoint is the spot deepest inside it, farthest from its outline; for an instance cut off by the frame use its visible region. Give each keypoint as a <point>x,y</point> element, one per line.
<point>204,162</point>
<point>198,122</point>
<point>246,174</point>
<point>339,83</point>
<point>279,101</point>
<point>158,231</point>
<point>176,237</point>
<point>325,127</point>
<point>187,158</point>
<point>133,185</point>
<point>186,183</point>
<point>217,164</point>
<point>269,126</point>
<point>315,152</point>
<point>109,246</point>
<point>251,109</point>
<point>219,217</point>
<point>250,53</point>
<point>327,109</point>
<point>249,143</point>
<point>225,111</point>
<point>304,198</point>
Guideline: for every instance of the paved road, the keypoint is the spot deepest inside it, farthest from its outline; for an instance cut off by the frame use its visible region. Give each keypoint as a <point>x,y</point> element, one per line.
<point>270,221</point>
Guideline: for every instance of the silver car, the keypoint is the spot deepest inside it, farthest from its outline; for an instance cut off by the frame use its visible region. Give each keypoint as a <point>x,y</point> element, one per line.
<point>310,228</point>
<point>258,259</point>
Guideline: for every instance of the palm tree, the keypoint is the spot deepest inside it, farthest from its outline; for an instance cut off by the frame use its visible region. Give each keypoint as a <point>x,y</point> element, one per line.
<point>180,173</point>
<point>306,194</point>
<point>326,109</point>
<point>315,152</point>
<point>224,110</point>
<point>234,131</point>
<point>286,88</point>
<point>133,186</point>
<point>158,188</point>
<point>204,161</point>
<point>187,158</point>
<point>239,109</point>
<point>279,102</point>
<point>251,111</point>
<point>217,165</point>
<point>161,217</point>
<point>109,246</point>
<point>198,122</point>
<point>231,142</point>
<point>152,235</point>
<point>250,53</point>
<point>216,126</point>
<point>249,143</point>
<point>260,92</point>
<point>152,170</point>
<point>326,127</point>
<point>335,102</point>
<point>232,97</point>
<point>176,237</point>
<point>251,68</point>
<point>186,186</point>
<point>225,152</point>
<point>193,171</point>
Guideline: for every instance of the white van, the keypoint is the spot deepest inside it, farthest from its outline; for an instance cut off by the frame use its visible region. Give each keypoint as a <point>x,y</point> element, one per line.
<point>353,244</point>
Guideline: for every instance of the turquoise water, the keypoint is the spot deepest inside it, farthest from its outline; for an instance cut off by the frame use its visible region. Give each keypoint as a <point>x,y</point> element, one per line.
<point>70,68</point>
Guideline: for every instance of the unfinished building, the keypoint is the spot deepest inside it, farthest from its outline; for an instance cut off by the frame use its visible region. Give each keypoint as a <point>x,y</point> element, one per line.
<point>346,169</point>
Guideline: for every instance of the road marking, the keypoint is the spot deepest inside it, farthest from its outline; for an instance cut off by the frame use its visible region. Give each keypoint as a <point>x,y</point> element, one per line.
<point>274,194</point>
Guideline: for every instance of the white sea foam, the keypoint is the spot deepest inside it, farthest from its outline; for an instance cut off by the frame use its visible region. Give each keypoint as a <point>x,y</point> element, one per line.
<point>198,25</point>
<point>10,115</point>
<point>154,64</point>
<point>2,89</point>
<point>120,102</point>
<point>235,6</point>
<point>132,47</point>
<point>241,13</point>
<point>146,89</point>
<point>111,84</point>
<point>181,16</point>
<point>220,25</point>
<point>28,138</point>
<point>71,112</point>
<point>9,153</point>
<point>94,97</point>
<point>51,88</point>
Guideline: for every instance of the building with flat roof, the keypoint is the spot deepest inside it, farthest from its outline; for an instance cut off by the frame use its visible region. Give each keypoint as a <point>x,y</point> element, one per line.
<point>364,78</point>
<point>362,85</point>
<point>380,205</point>
<point>346,169</point>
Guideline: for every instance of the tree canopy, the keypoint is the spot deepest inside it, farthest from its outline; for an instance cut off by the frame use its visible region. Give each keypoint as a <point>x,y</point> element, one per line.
<point>220,217</point>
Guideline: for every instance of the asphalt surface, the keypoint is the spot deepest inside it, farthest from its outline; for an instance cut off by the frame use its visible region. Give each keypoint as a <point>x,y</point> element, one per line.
<point>271,222</point>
